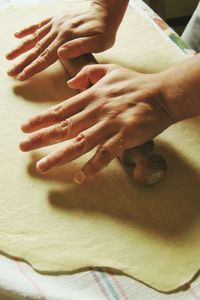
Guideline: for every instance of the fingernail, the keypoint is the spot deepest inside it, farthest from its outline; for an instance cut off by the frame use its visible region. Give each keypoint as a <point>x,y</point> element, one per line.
<point>42,164</point>
<point>11,72</point>
<point>25,127</point>
<point>8,55</point>
<point>25,144</point>
<point>79,177</point>
<point>22,76</point>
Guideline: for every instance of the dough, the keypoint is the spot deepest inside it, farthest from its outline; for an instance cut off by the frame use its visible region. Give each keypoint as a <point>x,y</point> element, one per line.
<point>151,234</point>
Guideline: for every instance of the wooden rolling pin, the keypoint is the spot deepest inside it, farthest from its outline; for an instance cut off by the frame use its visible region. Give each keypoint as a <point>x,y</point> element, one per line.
<point>148,168</point>
<point>73,66</point>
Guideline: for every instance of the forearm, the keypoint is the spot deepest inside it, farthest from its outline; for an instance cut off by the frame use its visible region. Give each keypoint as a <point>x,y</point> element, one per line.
<point>115,9</point>
<point>182,89</point>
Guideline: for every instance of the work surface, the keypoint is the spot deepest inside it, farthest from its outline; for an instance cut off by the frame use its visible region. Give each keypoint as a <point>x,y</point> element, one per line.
<point>109,286</point>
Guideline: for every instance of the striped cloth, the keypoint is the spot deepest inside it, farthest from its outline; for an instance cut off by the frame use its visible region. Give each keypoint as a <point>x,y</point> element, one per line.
<point>19,281</point>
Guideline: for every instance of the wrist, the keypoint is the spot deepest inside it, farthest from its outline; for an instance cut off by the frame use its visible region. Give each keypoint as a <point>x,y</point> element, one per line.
<point>181,89</point>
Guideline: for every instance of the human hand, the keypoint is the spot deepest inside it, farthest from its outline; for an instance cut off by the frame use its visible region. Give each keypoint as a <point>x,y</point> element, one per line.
<point>122,109</point>
<point>66,36</point>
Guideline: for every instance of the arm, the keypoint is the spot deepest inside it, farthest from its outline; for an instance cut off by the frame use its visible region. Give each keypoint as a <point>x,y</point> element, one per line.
<point>181,88</point>
<point>115,9</point>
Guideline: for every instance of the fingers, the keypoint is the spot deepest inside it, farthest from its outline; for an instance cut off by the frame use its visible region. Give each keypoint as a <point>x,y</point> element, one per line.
<point>44,60</point>
<point>82,144</point>
<point>88,76</point>
<point>78,47</point>
<point>65,130</point>
<point>33,54</point>
<point>31,29</point>
<point>29,43</point>
<point>56,113</point>
<point>102,158</point>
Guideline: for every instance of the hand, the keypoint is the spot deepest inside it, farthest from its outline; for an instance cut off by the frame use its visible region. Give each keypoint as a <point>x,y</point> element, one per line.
<point>122,109</point>
<point>66,36</point>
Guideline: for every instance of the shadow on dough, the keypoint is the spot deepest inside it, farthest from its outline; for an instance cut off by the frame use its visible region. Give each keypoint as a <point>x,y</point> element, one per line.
<point>168,209</point>
<point>47,86</point>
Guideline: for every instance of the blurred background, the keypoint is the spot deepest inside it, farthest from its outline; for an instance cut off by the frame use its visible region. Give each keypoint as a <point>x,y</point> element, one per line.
<point>177,13</point>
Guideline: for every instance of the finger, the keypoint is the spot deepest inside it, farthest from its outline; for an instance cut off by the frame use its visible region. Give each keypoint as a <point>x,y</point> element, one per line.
<point>57,113</point>
<point>29,43</point>
<point>78,47</point>
<point>33,54</point>
<point>103,156</point>
<point>88,76</point>
<point>82,144</point>
<point>66,130</point>
<point>44,60</point>
<point>31,29</point>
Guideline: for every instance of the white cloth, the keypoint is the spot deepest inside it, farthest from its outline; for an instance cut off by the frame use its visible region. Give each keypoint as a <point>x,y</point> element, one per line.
<point>191,35</point>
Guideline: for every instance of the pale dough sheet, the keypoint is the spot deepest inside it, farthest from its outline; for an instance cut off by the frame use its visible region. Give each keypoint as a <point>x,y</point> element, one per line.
<point>151,234</point>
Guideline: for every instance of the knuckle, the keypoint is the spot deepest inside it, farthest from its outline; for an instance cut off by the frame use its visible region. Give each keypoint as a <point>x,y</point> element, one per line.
<point>46,57</point>
<point>113,114</point>
<point>109,112</point>
<point>65,33</point>
<point>64,124</point>
<point>71,124</point>
<point>95,93</point>
<point>81,142</point>
<point>34,37</point>
<point>39,61</point>
<point>62,129</point>
<point>103,154</point>
<point>40,24</point>
<point>58,113</point>
<point>74,23</point>
<point>105,108</point>
<point>100,160</point>
<point>39,48</point>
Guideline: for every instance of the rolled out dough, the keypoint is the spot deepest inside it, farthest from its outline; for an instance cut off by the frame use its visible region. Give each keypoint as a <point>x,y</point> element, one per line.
<point>151,234</point>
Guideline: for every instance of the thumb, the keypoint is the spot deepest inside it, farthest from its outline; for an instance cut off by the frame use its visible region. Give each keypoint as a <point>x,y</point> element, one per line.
<point>88,76</point>
<point>78,47</point>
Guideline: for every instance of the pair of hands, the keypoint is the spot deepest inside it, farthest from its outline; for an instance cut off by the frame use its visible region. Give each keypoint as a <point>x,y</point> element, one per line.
<point>117,109</point>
